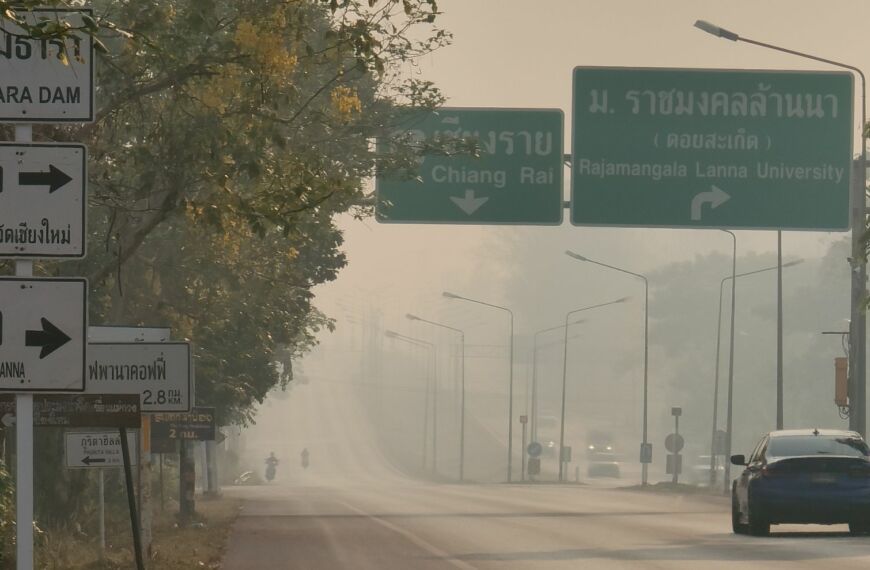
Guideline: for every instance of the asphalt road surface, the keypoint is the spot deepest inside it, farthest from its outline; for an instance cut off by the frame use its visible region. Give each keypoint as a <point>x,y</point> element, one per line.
<point>423,526</point>
<point>354,508</point>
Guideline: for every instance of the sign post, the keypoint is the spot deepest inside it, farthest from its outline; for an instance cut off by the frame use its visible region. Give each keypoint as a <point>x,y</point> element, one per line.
<point>516,179</point>
<point>42,200</point>
<point>523,421</point>
<point>47,80</point>
<point>44,325</point>
<point>159,372</point>
<point>43,81</point>
<point>682,148</point>
<point>96,450</point>
<point>77,411</point>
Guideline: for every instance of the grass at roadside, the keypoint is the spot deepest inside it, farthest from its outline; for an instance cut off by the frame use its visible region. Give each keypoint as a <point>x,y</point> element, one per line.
<point>197,546</point>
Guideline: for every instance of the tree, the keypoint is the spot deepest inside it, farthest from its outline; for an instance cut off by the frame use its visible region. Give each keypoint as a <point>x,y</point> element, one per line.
<point>227,136</point>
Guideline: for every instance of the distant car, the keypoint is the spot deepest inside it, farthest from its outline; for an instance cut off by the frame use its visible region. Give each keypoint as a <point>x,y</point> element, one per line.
<point>598,442</point>
<point>698,473</point>
<point>548,435</point>
<point>803,476</point>
<point>603,464</point>
<point>601,457</point>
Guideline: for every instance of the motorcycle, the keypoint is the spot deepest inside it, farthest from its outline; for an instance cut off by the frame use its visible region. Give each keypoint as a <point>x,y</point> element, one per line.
<point>271,464</point>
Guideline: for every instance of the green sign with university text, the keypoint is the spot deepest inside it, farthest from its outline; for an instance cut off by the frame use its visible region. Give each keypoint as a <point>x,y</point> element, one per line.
<point>516,179</point>
<point>711,148</point>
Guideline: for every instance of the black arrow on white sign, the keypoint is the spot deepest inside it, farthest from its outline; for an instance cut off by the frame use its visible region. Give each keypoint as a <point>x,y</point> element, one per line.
<point>50,338</point>
<point>87,460</point>
<point>55,178</point>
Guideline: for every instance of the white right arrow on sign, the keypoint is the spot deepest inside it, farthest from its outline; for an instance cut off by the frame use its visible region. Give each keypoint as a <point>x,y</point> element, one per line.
<point>469,204</point>
<point>715,197</point>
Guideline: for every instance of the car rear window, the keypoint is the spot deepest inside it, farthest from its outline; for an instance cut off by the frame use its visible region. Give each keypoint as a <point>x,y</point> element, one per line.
<point>787,446</point>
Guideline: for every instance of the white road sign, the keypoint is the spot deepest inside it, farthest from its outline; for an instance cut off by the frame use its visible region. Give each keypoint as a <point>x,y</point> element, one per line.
<point>159,371</point>
<point>98,449</point>
<point>46,80</point>
<point>42,200</point>
<point>43,327</point>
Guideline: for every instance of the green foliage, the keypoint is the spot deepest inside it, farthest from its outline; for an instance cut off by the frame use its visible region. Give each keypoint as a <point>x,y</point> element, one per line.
<point>229,134</point>
<point>7,515</point>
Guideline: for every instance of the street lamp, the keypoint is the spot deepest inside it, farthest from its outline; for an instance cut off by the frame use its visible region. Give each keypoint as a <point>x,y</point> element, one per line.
<point>510,375</point>
<point>716,372</point>
<point>645,443</point>
<point>535,348</point>
<point>858,326</point>
<point>411,317</point>
<point>430,383</point>
<point>565,377</point>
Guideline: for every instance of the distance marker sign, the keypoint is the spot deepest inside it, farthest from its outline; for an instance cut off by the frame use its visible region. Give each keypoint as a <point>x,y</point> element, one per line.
<point>43,327</point>
<point>47,80</point>
<point>101,449</point>
<point>160,372</point>
<point>42,200</point>
<point>516,179</point>
<point>684,148</point>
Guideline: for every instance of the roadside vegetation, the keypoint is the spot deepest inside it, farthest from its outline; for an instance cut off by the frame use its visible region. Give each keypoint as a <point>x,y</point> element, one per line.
<point>229,134</point>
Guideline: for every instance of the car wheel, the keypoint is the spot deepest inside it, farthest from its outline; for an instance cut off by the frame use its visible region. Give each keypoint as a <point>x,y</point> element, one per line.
<point>758,525</point>
<point>859,529</point>
<point>736,526</point>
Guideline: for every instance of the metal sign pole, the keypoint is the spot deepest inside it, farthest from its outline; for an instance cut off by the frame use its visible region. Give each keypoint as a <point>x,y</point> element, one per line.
<point>102,513</point>
<point>131,501</point>
<point>24,436</point>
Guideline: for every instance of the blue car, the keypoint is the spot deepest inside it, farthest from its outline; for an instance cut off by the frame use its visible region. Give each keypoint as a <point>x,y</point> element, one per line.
<point>805,477</point>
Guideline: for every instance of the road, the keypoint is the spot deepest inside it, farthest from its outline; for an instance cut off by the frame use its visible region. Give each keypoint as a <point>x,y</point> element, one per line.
<point>358,507</point>
<point>428,526</point>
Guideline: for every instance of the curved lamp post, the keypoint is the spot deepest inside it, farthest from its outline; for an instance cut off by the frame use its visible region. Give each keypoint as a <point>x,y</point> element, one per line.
<point>718,344</point>
<point>434,387</point>
<point>535,347</point>
<point>411,317</point>
<point>565,377</point>
<point>645,442</point>
<point>450,295</point>
<point>858,326</point>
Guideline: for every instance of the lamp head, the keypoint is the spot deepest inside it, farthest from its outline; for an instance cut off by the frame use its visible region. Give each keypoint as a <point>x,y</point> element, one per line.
<point>793,263</point>
<point>622,300</point>
<point>391,334</point>
<point>450,295</point>
<point>574,255</point>
<point>716,30</point>
<point>411,317</point>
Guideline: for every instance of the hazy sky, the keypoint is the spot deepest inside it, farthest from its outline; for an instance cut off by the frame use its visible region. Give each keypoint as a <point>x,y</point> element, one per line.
<point>513,53</point>
<point>521,53</point>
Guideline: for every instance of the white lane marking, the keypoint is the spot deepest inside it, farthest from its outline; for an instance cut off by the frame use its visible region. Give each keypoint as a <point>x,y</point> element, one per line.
<point>424,544</point>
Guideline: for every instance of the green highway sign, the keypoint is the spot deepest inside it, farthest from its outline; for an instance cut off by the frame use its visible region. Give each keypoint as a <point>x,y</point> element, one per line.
<point>711,148</point>
<point>516,179</point>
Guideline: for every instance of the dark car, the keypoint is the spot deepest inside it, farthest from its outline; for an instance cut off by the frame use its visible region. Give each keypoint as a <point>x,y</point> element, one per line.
<point>805,477</point>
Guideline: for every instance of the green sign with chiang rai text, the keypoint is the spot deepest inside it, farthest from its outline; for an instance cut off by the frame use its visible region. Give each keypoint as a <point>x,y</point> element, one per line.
<point>515,179</point>
<point>711,148</point>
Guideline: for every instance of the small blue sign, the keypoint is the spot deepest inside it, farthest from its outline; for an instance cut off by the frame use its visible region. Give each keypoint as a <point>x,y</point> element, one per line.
<point>534,449</point>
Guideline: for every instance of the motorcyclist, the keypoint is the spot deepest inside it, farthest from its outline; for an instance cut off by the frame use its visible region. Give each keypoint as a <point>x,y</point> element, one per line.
<point>304,456</point>
<point>271,464</point>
